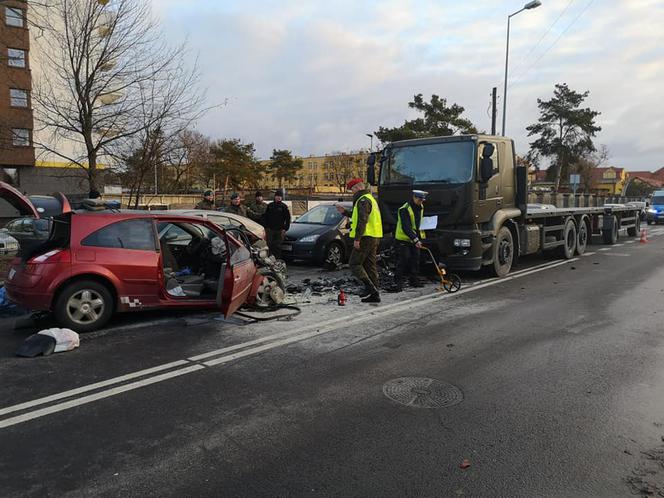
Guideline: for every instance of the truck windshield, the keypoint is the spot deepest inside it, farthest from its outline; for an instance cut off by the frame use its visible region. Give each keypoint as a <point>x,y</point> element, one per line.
<point>448,162</point>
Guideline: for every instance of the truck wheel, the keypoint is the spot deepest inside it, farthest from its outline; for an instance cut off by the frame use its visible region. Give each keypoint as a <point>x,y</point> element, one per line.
<point>569,236</point>
<point>610,236</point>
<point>634,231</point>
<point>503,252</point>
<point>83,306</point>
<point>582,237</point>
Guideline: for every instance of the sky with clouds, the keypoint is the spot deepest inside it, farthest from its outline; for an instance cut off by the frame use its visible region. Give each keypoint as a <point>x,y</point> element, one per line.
<point>315,76</point>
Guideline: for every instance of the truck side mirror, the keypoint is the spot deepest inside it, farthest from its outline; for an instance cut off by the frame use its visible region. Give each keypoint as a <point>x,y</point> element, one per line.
<point>371,171</point>
<point>486,163</point>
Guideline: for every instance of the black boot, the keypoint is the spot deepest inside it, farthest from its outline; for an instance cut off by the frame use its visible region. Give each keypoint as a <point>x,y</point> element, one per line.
<point>366,292</point>
<point>372,298</point>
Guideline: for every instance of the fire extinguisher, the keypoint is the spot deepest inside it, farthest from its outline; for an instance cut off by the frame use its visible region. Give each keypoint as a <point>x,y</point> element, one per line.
<point>341,298</point>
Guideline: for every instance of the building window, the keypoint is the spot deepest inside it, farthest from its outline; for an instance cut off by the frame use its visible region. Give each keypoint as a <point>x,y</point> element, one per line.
<point>14,17</point>
<point>20,137</point>
<point>15,57</point>
<point>18,98</point>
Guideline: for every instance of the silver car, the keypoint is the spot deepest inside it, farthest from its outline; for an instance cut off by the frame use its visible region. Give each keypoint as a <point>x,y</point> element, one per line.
<point>224,220</point>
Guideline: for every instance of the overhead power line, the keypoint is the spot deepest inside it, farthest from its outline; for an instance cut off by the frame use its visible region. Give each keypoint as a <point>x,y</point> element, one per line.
<point>523,73</point>
<point>536,46</point>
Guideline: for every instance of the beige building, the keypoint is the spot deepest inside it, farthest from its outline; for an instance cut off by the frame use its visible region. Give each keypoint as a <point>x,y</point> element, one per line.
<point>326,174</point>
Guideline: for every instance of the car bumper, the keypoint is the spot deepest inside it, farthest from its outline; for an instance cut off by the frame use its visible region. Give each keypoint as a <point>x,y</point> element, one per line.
<point>28,299</point>
<point>301,250</point>
<point>655,216</point>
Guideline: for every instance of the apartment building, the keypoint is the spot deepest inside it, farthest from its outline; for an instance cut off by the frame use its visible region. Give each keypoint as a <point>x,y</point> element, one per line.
<point>326,174</point>
<point>16,117</point>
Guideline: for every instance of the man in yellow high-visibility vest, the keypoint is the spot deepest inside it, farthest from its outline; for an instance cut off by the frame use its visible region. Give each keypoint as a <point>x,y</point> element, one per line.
<point>409,240</point>
<point>366,232</point>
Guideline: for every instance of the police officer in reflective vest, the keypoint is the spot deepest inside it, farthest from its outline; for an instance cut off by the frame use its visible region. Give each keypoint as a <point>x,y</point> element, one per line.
<point>409,240</point>
<point>366,232</point>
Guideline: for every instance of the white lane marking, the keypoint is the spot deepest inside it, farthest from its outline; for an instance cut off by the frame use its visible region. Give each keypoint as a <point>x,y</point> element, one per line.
<point>618,245</point>
<point>369,315</point>
<point>617,254</point>
<point>604,249</point>
<point>91,387</point>
<point>588,253</point>
<point>630,242</point>
<point>97,396</point>
<point>280,335</point>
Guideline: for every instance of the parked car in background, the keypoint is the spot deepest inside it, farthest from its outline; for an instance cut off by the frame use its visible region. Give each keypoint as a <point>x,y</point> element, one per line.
<point>319,235</point>
<point>656,210</point>
<point>8,244</point>
<point>225,220</point>
<point>92,264</point>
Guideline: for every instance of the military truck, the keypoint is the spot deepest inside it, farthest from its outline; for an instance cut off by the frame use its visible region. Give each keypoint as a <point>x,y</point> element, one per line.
<point>480,199</point>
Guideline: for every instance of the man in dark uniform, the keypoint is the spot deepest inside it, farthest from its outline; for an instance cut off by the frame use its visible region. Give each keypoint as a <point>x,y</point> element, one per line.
<point>276,221</point>
<point>409,240</point>
<point>366,232</point>
<point>257,208</point>
<point>236,206</point>
<point>207,202</point>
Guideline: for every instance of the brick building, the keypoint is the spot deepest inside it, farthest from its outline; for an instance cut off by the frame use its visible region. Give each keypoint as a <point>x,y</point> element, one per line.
<point>16,117</point>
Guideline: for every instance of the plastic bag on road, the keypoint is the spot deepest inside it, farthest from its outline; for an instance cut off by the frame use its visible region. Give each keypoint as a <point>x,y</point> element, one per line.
<point>65,339</point>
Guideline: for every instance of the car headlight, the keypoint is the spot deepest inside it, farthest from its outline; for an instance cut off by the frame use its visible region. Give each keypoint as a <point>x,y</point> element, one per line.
<point>309,238</point>
<point>461,242</point>
<point>652,211</point>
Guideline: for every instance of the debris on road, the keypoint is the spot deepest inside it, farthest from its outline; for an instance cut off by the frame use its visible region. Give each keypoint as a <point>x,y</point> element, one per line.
<point>36,345</point>
<point>48,341</point>
<point>65,339</point>
<point>465,464</point>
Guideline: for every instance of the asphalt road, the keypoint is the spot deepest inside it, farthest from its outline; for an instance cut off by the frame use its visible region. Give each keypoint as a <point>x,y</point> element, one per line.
<point>549,383</point>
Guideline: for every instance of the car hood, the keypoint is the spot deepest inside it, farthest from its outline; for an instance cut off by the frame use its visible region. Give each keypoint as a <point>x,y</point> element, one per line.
<point>17,200</point>
<point>299,230</point>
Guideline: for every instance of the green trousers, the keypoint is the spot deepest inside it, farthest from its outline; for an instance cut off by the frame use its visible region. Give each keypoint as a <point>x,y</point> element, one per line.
<point>363,264</point>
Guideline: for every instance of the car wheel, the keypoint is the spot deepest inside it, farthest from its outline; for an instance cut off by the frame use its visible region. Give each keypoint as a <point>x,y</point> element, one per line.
<point>84,306</point>
<point>271,292</point>
<point>334,254</point>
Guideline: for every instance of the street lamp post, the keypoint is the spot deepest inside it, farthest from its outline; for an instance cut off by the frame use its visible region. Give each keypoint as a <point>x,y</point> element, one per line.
<point>371,143</point>
<point>530,5</point>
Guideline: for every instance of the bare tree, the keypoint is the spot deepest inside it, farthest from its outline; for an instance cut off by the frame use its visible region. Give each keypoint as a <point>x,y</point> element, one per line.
<point>110,83</point>
<point>188,158</point>
<point>343,167</point>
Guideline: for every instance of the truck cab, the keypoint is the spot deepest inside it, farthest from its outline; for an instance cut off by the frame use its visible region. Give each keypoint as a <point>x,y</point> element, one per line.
<point>472,185</point>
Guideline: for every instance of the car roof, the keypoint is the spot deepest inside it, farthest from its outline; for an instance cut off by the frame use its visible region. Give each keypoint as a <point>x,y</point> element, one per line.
<point>131,214</point>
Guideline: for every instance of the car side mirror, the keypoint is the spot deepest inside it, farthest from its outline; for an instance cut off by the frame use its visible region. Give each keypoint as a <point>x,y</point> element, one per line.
<point>371,171</point>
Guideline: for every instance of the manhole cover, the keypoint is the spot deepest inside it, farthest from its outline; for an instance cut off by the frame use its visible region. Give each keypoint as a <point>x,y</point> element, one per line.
<point>421,392</point>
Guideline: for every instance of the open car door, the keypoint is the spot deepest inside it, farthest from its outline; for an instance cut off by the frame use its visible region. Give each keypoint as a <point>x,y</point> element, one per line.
<point>17,200</point>
<point>237,275</point>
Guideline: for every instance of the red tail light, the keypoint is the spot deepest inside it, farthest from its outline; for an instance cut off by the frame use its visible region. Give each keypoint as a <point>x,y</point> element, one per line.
<point>50,257</point>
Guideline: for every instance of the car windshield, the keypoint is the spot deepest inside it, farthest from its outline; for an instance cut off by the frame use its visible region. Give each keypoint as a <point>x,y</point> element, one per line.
<point>448,162</point>
<point>658,200</point>
<point>321,215</point>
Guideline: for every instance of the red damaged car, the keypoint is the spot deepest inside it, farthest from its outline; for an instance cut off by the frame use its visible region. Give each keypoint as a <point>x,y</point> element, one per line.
<point>84,266</point>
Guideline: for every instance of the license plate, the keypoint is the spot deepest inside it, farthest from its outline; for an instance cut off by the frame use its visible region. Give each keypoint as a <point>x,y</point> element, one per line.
<point>286,247</point>
<point>12,272</point>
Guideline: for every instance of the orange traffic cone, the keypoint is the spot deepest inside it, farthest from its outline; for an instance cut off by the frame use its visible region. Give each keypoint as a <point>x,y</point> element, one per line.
<point>644,236</point>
